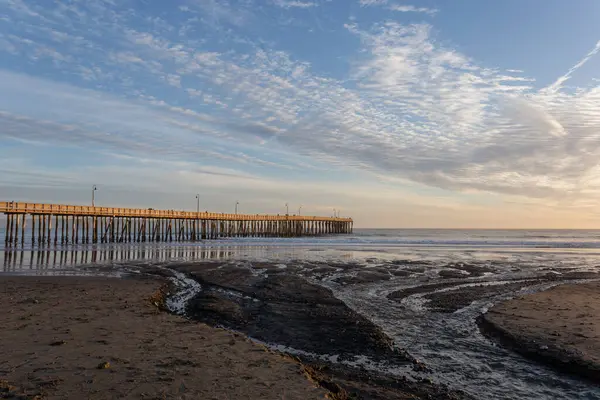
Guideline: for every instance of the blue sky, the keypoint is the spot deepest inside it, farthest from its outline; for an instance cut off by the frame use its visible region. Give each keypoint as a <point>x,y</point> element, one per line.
<point>422,113</point>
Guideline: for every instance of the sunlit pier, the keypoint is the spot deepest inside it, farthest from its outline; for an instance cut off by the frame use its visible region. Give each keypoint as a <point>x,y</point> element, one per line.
<point>57,223</point>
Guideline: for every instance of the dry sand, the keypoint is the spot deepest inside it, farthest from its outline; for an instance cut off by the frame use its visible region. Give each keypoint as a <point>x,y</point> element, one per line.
<point>560,326</point>
<point>57,332</point>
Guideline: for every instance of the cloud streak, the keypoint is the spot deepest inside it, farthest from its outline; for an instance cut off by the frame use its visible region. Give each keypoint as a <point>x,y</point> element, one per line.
<point>553,88</point>
<point>413,9</point>
<point>294,4</point>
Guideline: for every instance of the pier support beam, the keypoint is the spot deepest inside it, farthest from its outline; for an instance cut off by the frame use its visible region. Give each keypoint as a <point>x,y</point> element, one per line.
<point>110,225</point>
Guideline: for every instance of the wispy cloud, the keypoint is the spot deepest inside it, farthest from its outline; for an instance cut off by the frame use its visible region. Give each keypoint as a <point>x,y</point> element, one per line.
<point>559,82</point>
<point>294,4</point>
<point>367,3</point>
<point>408,8</point>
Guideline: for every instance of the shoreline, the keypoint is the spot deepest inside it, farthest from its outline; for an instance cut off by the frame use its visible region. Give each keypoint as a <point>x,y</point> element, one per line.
<point>65,328</point>
<point>104,338</point>
<point>558,327</point>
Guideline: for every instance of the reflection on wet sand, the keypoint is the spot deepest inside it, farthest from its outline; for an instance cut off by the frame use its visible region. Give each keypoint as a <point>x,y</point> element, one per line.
<point>65,259</point>
<point>24,260</point>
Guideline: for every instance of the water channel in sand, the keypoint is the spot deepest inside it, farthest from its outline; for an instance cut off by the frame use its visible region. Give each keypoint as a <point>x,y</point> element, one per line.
<point>424,291</point>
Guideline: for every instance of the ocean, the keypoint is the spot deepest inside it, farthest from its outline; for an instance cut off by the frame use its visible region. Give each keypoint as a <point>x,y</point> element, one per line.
<point>398,279</point>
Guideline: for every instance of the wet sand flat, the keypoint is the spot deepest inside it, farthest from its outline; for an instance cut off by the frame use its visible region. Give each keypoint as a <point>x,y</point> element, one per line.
<point>283,308</point>
<point>560,326</point>
<point>102,338</point>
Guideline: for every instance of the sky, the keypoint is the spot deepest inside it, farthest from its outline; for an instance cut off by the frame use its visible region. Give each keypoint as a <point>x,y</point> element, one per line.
<point>422,113</point>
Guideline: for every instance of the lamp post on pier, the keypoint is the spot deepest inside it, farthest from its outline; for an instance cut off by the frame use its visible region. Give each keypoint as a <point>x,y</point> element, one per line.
<point>197,203</point>
<point>334,213</point>
<point>236,206</point>
<point>94,188</point>
<point>299,209</point>
<point>287,209</point>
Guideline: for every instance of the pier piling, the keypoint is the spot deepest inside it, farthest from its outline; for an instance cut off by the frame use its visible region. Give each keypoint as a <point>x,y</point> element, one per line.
<point>72,224</point>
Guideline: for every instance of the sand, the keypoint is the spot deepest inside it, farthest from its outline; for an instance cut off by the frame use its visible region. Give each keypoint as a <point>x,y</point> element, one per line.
<point>102,338</point>
<point>560,326</point>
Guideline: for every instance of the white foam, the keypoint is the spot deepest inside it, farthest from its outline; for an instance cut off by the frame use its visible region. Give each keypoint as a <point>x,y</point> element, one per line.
<point>356,361</point>
<point>186,287</point>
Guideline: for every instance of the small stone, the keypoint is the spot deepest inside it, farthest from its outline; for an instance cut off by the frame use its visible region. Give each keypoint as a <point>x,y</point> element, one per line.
<point>103,365</point>
<point>58,343</point>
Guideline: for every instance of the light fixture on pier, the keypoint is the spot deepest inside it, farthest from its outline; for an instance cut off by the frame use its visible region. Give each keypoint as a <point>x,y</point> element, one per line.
<point>94,188</point>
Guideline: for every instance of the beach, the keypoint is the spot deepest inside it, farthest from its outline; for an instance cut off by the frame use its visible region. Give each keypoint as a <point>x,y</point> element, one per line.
<point>559,327</point>
<point>105,338</point>
<point>354,317</point>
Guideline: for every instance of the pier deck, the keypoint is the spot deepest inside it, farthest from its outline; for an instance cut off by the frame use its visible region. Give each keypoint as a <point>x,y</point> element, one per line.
<point>58,223</point>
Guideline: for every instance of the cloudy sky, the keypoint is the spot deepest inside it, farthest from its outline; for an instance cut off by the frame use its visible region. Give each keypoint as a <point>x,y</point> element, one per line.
<point>400,114</point>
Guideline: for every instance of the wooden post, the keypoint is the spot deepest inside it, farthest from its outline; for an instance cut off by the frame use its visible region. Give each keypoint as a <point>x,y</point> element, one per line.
<point>73,229</point>
<point>16,239</point>
<point>7,229</point>
<point>112,228</point>
<point>117,228</point>
<point>108,224</point>
<point>76,224</point>
<point>49,229</point>
<point>42,238</point>
<point>62,229</point>
<point>123,230</point>
<point>158,230</point>
<point>23,229</point>
<point>56,229</point>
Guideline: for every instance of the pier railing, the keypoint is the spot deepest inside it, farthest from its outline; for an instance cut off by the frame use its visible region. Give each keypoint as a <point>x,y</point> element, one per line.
<point>7,207</point>
<point>84,224</point>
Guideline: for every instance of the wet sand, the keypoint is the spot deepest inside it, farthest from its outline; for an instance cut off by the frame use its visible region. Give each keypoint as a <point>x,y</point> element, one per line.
<point>102,338</point>
<point>560,327</point>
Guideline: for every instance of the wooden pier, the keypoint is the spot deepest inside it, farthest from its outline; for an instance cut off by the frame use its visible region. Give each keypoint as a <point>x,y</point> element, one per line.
<point>47,224</point>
